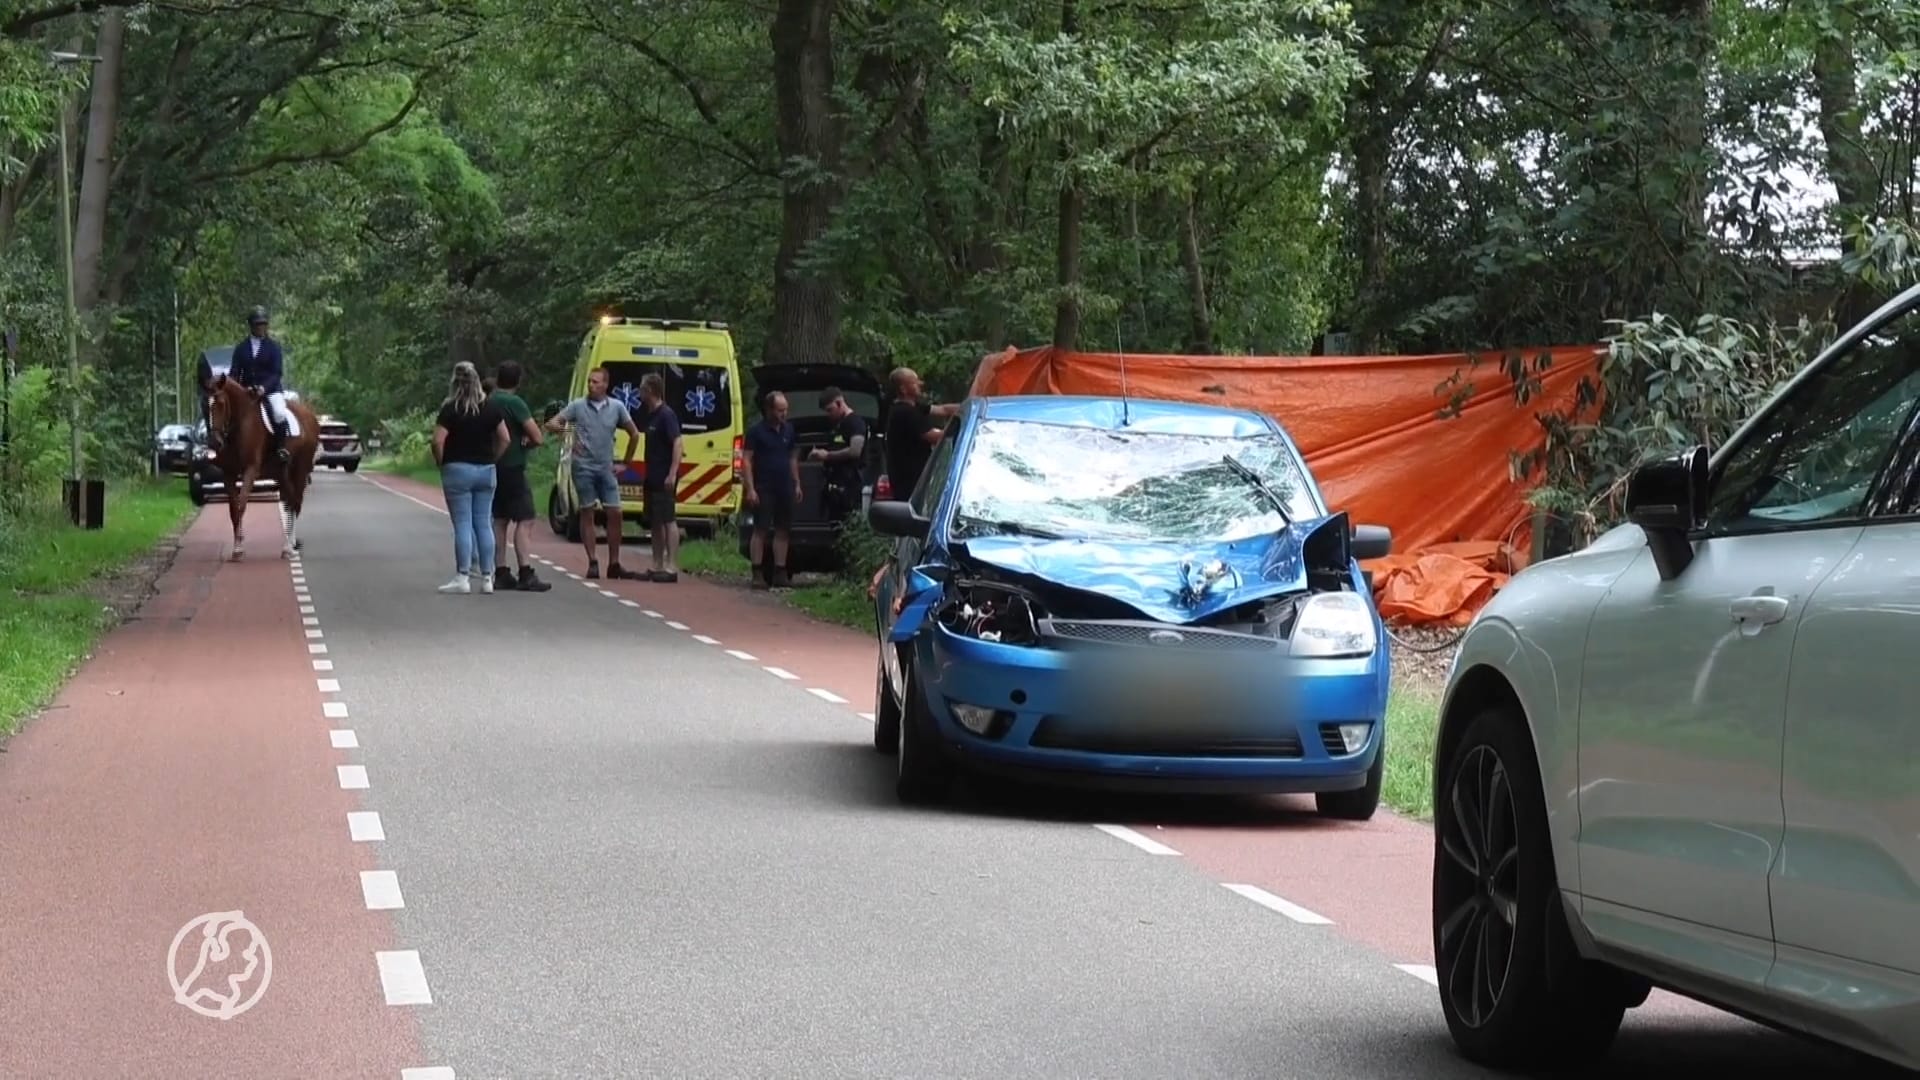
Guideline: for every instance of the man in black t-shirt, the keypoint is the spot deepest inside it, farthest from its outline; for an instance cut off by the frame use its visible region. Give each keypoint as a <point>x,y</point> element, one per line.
<point>840,462</point>
<point>663,468</point>
<point>913,430</point>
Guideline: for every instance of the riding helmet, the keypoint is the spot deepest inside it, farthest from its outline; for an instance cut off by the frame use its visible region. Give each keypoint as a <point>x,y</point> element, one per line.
<point>257,316</point>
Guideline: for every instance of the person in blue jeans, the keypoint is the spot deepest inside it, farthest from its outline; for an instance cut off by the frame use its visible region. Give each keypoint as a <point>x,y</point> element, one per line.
<point>469,436</point>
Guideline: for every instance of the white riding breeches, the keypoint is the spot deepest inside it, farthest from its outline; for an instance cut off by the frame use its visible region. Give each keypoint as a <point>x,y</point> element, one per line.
<point>277,405</point>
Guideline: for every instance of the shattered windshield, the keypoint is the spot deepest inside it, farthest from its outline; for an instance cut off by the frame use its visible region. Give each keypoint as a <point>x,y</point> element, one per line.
<point>1056,480</point>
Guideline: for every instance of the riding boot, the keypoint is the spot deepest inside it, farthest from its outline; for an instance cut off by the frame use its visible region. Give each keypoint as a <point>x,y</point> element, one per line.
<point>279,440</point>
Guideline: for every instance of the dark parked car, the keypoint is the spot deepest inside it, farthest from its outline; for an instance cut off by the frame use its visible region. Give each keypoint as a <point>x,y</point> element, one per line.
<point>815,539</point>
<point>207,483</point>
<point>339,445</point>
<point>173,449</point>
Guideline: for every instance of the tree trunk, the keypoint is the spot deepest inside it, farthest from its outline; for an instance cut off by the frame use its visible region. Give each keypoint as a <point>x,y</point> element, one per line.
<point>806,303</point>
<point>1072,203</point>
<point>1200,316</point>
<point>103,121</point>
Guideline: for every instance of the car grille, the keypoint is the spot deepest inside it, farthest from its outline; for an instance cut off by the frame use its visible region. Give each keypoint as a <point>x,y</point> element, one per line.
<point>1060,733</point>
<point>1123,632</point>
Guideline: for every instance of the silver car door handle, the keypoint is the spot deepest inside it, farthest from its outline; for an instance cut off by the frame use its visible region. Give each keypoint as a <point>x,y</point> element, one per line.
<point>1765,610</point>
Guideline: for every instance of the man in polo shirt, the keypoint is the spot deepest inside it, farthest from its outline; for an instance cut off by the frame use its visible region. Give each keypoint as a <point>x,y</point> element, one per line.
<point>595,418</point>
<point>772,471</point>
<point>663,466</point>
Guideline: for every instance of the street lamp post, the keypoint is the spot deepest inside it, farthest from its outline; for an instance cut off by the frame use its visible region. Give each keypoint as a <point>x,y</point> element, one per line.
<point>76,483</point>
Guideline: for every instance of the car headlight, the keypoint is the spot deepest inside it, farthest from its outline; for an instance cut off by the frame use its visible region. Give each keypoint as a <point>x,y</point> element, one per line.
<point>990,613</point>
<point>1334,624</point>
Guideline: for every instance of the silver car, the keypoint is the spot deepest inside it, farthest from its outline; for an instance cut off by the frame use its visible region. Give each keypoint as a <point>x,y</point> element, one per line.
<point>1688,756</point>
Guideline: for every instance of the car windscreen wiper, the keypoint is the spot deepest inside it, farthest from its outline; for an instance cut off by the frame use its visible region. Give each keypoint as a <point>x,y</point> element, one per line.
<point>1240,469</point>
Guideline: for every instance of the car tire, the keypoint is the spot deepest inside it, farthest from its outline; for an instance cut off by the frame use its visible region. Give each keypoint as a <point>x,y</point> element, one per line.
<point>924,774</point>
<point>1549,1007</point>
<point>886,711</point>
<point>353,466</point>
<point>196,492</point>
<point>1360,803</point>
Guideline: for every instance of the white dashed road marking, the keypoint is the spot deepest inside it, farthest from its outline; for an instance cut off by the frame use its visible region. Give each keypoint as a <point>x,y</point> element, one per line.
<point>323,665</point>
<point>334,710</point>
<point>344,739</point>
<point>328,686</point>
<point>651,614</point>
<point>352,777</point>
<point>1424,972</point>
<point>437,1072</point>
<point>780,673</point>
<point>677,625</point>
<point>402,978</point>
<point>381,888</point>
<point>1285,907</point>
<point>705,640</point>
<point>364,826</point>
<point>629,603</point>
<point>315,634</point>
<point>867,716</point>
<point>1121,832</point>
<point>738,655</point>
<point>826,695</point>
<point>317,650</point>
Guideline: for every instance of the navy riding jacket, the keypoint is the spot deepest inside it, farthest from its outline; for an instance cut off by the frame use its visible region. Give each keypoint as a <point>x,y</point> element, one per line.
<point>263,371</point>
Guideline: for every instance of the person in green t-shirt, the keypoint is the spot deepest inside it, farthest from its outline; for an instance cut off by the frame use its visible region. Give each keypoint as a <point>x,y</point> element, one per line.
<point>513,499</point>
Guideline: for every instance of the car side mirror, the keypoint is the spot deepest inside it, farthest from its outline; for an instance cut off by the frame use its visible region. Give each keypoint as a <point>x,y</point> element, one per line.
<point>894,518</point>
<point>1668,500</point>
<point>1371,542</point>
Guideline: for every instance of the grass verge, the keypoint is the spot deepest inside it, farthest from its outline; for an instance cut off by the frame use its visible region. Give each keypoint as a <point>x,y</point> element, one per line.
<point>50,576</point>
<point>1413,712</point>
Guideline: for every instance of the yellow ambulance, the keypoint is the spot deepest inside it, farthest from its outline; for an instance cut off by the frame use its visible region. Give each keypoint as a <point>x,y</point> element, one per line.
<point>696,361</point>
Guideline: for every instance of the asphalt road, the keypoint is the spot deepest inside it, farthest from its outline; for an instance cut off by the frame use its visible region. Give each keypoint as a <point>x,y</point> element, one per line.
<point>627,830</point>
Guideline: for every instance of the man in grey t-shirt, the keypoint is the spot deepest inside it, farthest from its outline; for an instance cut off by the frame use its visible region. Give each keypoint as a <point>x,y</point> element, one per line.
<point>594,419</point>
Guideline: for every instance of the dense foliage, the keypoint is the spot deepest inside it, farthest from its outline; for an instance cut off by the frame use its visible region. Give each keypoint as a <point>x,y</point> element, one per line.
<point>408,182</point>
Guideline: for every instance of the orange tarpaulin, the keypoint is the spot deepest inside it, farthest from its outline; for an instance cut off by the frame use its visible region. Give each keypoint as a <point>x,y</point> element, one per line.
<point>1371,430</point>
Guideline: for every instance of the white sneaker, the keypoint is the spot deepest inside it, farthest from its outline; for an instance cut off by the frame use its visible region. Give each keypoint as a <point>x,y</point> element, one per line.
<point>486,582</point>
<point>457,585</point>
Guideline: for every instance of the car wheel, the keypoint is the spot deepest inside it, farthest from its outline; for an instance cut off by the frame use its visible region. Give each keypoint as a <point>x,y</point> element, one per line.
<point>1360,803</point>
<point>196,493</point>
<point>886,711</point>
<point>924,775</point>
<point>353,466</point>
<point>1515,992</point>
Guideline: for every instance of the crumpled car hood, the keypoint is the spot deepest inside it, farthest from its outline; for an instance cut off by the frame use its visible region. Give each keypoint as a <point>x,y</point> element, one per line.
<point>1162,579</point>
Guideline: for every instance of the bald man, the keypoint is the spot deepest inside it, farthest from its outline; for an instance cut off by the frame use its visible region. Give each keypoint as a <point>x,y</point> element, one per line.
<point>913,430</point>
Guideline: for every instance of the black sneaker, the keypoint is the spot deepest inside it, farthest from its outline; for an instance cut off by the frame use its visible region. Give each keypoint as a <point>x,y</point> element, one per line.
<point>530,582</point>
<point>780,580</point>
<point>593,569</point>
<point>503,580</point>
<point>759,579</point>
<point>620,573</point>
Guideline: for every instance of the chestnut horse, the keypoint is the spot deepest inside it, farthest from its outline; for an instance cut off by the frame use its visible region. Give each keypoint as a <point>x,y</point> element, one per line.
<point>237,434</point>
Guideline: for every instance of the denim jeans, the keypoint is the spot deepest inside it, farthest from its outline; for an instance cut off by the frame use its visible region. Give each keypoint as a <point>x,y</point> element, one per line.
<point>469,491</point>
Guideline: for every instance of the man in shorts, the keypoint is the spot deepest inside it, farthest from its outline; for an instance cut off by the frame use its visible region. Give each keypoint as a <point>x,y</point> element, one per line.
<point>663,467</point>
<point>513,499</point>
<point>595,485</point>
<point>772,475</point>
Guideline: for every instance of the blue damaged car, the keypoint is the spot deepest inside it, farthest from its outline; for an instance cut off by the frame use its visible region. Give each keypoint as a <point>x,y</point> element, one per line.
<point>1128,594</point>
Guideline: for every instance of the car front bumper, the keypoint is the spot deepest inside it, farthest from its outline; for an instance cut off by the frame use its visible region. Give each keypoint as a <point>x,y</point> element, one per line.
<point>1274,728</point>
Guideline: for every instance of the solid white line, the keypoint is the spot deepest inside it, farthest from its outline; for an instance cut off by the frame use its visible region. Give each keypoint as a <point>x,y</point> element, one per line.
<point>652,614</point>
<point>436,509</point>
<point>1285,907</point>
<point>433,1072</point>
<point>344,739</point>
<point>705,640</point>
<point>352,777</point>
<point>826,695</point>
<point>402,978</point>
<point>334,710</point>
<point>317,650</point>
<point>1146,844</point>
<point>306,609</point>
<point>678,625</point>
<point>1424,972</point>
<point>312,633</point>
<point>364,825</point>
<point>738,655</point>
<point>323,665</point>
<point>629,603</point>
<point>781,673</point>
<point>309,620</point>
<point>381,889</point>
<point>328,686</point>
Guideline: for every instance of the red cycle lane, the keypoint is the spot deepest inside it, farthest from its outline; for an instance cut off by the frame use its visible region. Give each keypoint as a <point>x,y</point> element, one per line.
<point>1370,880</point>
<point>187,770</point>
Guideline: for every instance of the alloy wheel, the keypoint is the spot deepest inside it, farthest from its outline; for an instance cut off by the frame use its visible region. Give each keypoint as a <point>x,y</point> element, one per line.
<point>1479,886</point>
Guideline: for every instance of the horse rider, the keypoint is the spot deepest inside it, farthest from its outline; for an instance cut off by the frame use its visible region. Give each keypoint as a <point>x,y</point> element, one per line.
<point>258,366</point>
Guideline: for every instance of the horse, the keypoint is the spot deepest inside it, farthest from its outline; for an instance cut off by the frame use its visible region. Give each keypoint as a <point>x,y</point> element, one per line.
<point>237,434</point>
